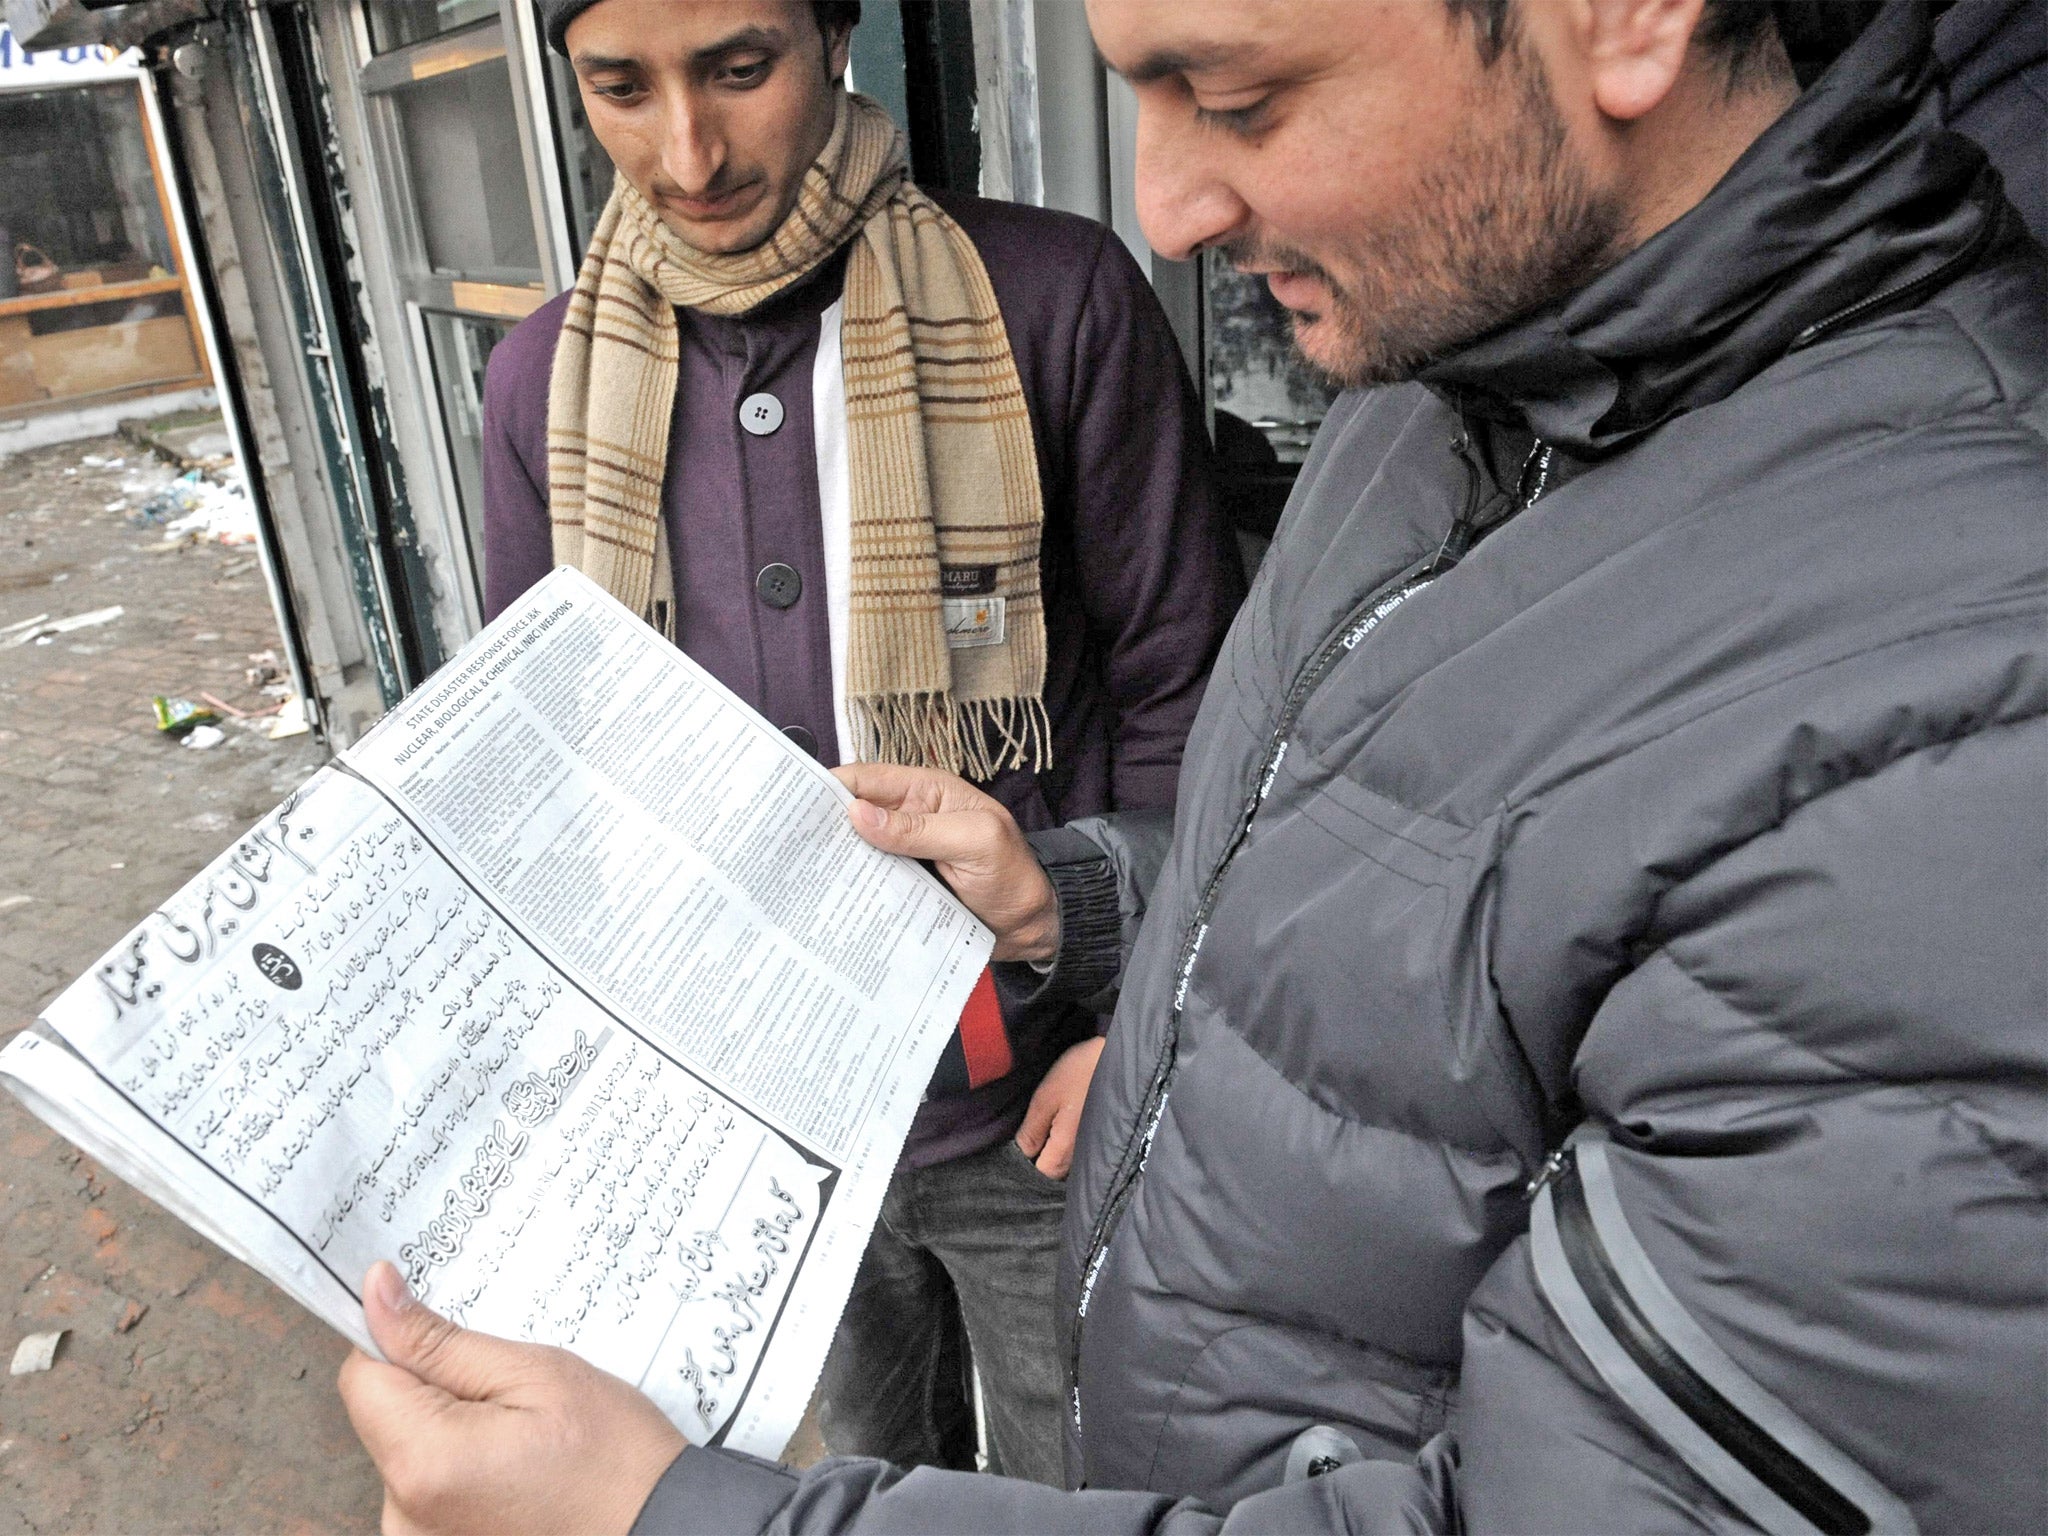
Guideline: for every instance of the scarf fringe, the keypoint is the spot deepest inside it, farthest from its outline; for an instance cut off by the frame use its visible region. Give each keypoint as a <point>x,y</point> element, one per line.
<point>975,738</point>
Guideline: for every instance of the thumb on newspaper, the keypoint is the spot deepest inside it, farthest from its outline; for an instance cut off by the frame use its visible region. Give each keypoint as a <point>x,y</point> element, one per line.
<point>971,840</point>
<point>922,813</point>
<point>426,1345</point>
<point>475,1433</point>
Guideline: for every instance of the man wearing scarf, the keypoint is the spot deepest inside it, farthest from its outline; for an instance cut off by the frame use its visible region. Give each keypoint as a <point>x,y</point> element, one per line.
<point>921,479</point>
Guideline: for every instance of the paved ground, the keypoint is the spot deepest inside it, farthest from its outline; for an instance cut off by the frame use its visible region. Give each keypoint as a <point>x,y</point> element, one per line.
<point>190,1395</point>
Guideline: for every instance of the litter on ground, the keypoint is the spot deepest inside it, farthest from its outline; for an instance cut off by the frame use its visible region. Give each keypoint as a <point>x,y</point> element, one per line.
<point>37,1352</point>
<point>193,508</point>
<point>44,627</point>
<point>176,715</point>
<point>205,512</point>
<point>291,720</point>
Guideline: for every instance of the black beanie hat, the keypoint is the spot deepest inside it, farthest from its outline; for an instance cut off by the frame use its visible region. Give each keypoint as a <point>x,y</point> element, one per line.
<point>555,16</point>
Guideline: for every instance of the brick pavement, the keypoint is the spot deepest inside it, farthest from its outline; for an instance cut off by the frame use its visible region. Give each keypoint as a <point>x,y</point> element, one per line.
<point>190,1395</point>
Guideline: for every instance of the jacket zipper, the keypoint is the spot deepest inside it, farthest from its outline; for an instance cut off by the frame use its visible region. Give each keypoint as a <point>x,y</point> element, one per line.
<point>1553,1165</point>
<point>1361,621</point>
<point>1912,288</point>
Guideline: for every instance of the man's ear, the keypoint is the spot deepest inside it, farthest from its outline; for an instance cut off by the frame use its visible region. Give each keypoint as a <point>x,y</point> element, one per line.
<point>838,51</point>
<point>1635,50</point>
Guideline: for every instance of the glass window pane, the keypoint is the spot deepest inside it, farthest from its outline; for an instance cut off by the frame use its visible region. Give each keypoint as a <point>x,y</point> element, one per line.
<point>1255,375</point>
<point>78,198</point>
<point>461,144</point>
<point>394,23</point>
<point>875,65</point>
<point>460,346</point>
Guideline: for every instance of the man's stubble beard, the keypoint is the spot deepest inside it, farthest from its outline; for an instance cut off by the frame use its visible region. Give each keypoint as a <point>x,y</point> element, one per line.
<point>1507,222</point>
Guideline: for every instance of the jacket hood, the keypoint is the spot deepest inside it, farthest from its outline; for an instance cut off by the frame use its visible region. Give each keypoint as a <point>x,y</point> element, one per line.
<point>1855,193</point>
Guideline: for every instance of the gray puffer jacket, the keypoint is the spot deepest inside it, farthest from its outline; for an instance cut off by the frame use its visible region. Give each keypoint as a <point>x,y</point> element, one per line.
<point>1585,1065</point>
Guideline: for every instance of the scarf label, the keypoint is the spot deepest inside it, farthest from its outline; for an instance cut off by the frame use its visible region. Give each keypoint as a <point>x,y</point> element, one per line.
<point>967,580</point>
<point>973,621</point>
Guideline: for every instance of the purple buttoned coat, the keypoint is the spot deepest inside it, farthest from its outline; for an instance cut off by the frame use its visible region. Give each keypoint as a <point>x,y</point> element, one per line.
<point>1138,566</point>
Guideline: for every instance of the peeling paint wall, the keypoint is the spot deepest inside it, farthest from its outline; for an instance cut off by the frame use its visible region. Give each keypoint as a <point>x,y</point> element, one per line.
<point>1006,99</point>
<point>294,361</point>
<point>215,119</point>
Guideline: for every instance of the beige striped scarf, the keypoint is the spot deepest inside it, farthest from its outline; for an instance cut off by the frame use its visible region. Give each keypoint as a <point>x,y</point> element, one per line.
<point>940,458</point>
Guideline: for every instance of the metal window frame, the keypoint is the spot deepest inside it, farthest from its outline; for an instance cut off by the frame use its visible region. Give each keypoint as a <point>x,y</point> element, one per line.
<point>1072,103</point>
<point>329,42</point>
<point>939,72</point>
<point>555,229</point>
<point>1053,128</point>
<point>402,290</point>
<point>347,478</point>
<point>447,485</point>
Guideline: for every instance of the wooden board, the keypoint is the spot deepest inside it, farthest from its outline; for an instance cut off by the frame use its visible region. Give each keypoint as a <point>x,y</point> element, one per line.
<point>71,298</point>
<point>104,357</point>
<point>498,299</point>
<point>18,384</point>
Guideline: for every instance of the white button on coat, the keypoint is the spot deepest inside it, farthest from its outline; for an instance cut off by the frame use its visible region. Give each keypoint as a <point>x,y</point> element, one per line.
<point>761,414</point>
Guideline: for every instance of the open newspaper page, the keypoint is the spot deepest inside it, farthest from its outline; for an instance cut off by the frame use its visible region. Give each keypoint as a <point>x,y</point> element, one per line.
<point>570,990</point>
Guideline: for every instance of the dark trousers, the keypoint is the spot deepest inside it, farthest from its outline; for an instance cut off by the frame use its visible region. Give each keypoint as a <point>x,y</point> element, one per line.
<point>957,1278</point>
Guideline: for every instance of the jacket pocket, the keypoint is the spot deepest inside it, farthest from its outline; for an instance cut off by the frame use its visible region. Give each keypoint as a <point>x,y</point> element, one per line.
<point>1740,1440</point>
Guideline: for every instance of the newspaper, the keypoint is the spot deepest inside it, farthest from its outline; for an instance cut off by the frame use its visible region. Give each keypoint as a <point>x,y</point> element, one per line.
<point>570,990</point>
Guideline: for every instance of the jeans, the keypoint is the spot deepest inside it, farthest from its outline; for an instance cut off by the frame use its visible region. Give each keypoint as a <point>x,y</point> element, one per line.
<point>958,1277</point>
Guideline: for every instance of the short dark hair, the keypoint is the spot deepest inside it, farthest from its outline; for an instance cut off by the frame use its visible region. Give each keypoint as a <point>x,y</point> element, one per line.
<point>835,13</point>
<point>831,15</point>
<point>1734,32</point>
